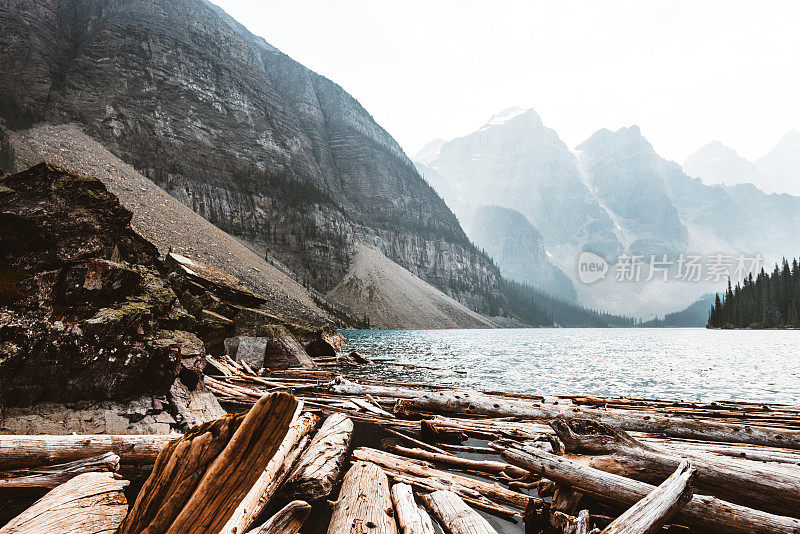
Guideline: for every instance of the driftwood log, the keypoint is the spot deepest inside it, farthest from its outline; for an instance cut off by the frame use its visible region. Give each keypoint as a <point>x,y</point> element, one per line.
<point>289,520</point>
<point>393,463</point>
<point>319,465</point>
<point>475,403</point>
<point>481,466</point>
<point>454,515</point>
<point>51,476</point>
<point>567,524</point>
<point>31,451</point>
<point>199,480</point>
<point>410,517</point>
<point>90,503</point>
<point>364,503</point>
<point>701,514</point>
<point>775,489</point>
<point>654,511</point>
<point>278,467</point>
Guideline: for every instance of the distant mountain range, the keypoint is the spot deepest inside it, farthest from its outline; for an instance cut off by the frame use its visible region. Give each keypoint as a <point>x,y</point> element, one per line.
<point>612,196</point>
<point>777,171</point>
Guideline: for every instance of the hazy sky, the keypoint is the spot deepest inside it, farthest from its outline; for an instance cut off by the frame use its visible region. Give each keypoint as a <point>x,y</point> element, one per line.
<point>687,72</point>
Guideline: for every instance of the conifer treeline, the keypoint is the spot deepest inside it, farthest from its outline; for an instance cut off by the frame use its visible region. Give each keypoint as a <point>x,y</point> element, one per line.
<point>766,301</point>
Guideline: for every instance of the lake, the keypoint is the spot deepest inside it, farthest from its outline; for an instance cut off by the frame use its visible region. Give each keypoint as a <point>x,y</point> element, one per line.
<point>692,364</point>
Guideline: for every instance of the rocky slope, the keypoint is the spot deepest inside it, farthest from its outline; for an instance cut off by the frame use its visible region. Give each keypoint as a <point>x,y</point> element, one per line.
<point>392,297</point>
<point>257,144</point>
<point>166,222</point>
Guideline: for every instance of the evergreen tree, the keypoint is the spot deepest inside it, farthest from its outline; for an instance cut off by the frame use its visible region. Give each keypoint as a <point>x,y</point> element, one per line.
<point>770,300</point>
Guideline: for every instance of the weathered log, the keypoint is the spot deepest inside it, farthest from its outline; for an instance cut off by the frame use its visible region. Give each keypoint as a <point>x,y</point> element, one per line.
<point>364,503</point>
<point>774,489</point>
<point>701,514</point>
<point>31,451</point>
<point>567,524</point>
<point>407,512</point>
<point>277,469</point>
<point>289,520</point>
<point>654,511</point>
<point>417,442</point>
<point>318,468</point>
<point>454,515</point>
<point>199,480</point>
<point>482,466</point>
<point>51,476</point>
<point>475,403</point>
<point>470,496</point>
<point>493,492</point>
<point>90,503</point>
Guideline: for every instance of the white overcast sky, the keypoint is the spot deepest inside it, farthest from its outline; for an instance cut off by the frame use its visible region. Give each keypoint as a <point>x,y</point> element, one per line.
<point>686,71</point>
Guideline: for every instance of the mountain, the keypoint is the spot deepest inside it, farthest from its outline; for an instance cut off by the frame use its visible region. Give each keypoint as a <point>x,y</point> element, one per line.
<point>716,163</point>
<point>694,315</point>
<point>265,149</point>
<point>518,249</point>
<point>628,178</point>
<point>782,165</point>
<point>614,194</point>
<point>516,162</point>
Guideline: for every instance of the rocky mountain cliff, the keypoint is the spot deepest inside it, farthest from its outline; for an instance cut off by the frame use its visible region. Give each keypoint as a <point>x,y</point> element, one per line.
<point>518,249</point>
<point>628,178</point>
<point>516,162</point>
<point>256,143</point>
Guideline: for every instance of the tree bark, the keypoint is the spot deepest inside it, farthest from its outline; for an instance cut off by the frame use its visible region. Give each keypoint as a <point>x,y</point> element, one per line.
<point>90,503</point>
<point>319,466</point>
<point>701,514</point>
<point>774,489</point>
<point>493,492</point>
<point>277,469</point>
<point>475,403</point>
<point>364,504</point>
<point>454,515</point>
<point>654,511</point>
<point>407,512</point>
<point>30,451</point>
<point>199,480</point>
<point>289,520</point>
<point>54,475</point>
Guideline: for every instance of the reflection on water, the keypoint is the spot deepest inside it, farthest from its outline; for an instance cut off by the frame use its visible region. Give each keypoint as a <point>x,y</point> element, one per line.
<point>682,364</point>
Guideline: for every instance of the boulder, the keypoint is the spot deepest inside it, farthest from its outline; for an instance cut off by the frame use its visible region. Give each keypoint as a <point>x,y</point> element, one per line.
<point>279,351</point>
<point>83,299</point>
<point>325,342</point>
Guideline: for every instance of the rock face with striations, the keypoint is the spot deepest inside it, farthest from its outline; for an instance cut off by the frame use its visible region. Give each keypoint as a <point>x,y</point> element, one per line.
<point>256,143</point>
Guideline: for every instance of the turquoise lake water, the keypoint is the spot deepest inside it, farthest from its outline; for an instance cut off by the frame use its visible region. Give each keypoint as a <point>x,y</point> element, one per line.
<point>692,364</point>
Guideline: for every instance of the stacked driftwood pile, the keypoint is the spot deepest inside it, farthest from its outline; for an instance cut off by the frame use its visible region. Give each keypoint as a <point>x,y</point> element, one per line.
<point>473,462</point>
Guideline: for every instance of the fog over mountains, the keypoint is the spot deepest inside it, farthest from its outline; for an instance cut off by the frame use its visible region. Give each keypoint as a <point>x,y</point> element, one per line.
<point>614,195</point>
<point>777,171</point>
